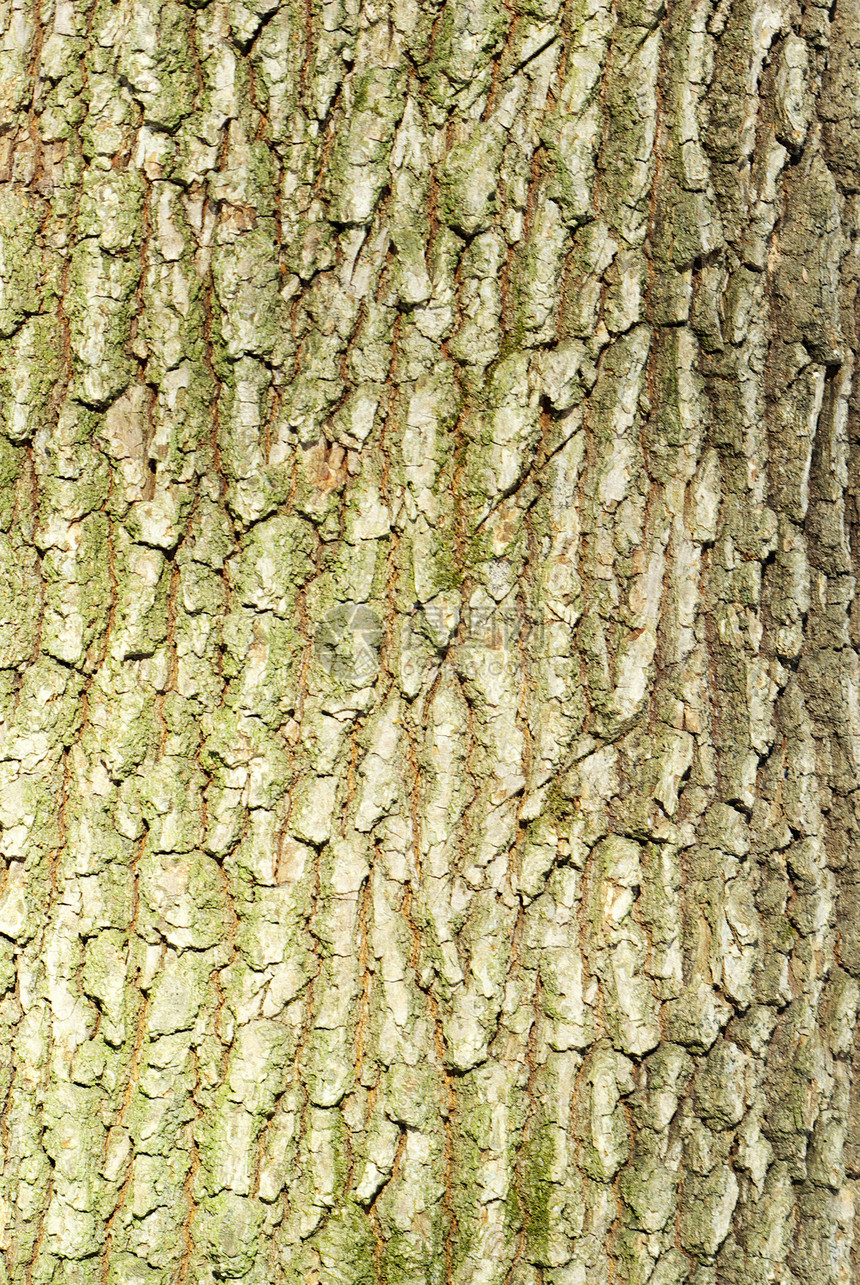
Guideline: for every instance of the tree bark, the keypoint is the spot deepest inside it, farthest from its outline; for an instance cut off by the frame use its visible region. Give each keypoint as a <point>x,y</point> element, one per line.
<point>429,652</point>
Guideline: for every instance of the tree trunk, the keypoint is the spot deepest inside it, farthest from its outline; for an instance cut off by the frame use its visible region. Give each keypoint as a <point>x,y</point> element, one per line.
<point>431,739</point>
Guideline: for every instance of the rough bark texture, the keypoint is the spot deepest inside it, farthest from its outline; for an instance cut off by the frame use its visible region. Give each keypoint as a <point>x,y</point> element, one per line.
<point>429,688</point>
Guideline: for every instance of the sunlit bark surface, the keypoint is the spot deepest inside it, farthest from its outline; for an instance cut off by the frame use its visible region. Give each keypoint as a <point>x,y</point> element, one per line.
<point>429,689</point>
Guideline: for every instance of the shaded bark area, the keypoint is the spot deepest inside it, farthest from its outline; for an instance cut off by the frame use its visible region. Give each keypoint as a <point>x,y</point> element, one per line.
<point>428,643</point>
